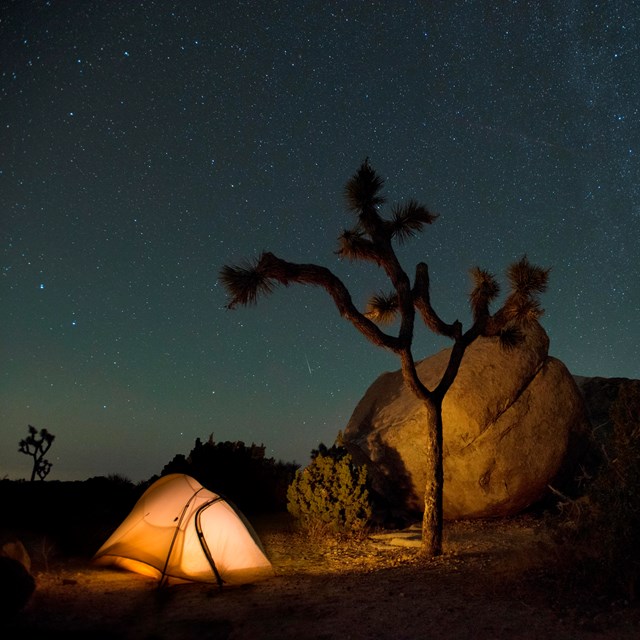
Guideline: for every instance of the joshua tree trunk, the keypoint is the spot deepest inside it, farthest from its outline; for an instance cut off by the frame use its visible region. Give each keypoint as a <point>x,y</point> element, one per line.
<point>432,517</point>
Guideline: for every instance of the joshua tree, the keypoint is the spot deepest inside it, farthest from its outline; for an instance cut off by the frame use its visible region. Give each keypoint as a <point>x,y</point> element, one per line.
<point>36,445</point>
<point>371,239</point>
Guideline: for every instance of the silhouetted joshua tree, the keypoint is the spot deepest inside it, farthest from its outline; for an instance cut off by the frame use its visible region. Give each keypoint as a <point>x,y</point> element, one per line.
<point>36,445</point>
<point>371,239</point>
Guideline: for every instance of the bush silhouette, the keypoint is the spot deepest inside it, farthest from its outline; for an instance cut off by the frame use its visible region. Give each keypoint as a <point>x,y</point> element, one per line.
<point>240,473</point>
<point>601,529</point>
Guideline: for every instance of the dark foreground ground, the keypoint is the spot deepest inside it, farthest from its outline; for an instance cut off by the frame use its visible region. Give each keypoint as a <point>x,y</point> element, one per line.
<point>496,580</point>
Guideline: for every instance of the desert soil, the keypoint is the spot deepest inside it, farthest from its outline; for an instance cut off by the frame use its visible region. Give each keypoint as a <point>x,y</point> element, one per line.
<point>494,581</point>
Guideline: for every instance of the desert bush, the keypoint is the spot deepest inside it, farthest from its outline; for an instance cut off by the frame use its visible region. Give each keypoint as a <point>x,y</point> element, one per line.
<point>599,531</point>
<point>242,474</point>
<point>330,495</point>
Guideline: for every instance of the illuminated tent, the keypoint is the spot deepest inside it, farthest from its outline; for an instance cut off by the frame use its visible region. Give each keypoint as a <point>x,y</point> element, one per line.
<point>179,531</point>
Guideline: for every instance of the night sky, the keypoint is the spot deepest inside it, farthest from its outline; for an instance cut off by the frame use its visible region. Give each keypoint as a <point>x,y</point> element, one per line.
<point>143,145</point>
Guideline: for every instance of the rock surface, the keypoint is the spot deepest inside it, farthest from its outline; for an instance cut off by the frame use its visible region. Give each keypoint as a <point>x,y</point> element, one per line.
<point>16,582</point>
<point>506,424</point>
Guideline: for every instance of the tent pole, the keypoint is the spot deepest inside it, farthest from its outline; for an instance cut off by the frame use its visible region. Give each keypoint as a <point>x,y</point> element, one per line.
<point>203,542</point>
<point>179,519</point>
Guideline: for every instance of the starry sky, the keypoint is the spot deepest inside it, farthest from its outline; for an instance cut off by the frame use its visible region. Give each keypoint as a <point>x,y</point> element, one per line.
<point>143,145</point>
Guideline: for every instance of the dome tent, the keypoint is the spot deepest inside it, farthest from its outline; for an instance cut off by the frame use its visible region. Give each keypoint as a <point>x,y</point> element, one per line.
<point>178,531</point>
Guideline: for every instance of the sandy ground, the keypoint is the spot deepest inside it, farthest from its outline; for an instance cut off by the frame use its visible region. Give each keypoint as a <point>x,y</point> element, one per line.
<point>493,582</point>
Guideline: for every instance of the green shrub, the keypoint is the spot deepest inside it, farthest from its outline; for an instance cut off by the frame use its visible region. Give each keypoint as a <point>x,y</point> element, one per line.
<point>600,530</point>
<point>330,494</point>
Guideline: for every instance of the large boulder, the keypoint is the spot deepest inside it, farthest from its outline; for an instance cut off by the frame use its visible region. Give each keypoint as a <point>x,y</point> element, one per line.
<point>507,420</point>
<point>16,582</point>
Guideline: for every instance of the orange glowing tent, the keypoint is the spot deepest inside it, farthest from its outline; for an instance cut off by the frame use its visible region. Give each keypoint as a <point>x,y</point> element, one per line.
<point>178,531</point>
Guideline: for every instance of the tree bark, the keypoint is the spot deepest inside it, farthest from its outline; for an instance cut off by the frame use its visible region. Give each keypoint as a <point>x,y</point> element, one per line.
<point>433,510</point>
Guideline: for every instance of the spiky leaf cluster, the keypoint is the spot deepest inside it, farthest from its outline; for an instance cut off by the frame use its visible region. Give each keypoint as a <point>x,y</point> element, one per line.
<point>370,239</point>
<point>510,337</point>
<point>353,244</point>
<point>408,219</point>
<point>246,282</point>
<point>362,191</point>
<point>527,279</point>
<point>485,290</point>
<point>382,308</point>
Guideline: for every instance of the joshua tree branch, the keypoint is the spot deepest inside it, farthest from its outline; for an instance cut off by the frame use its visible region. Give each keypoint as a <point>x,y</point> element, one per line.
<point>422,302</point>
<point>275,270</point>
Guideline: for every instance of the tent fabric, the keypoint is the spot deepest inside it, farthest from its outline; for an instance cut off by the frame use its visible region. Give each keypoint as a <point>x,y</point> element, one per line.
<point>179,531</point>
